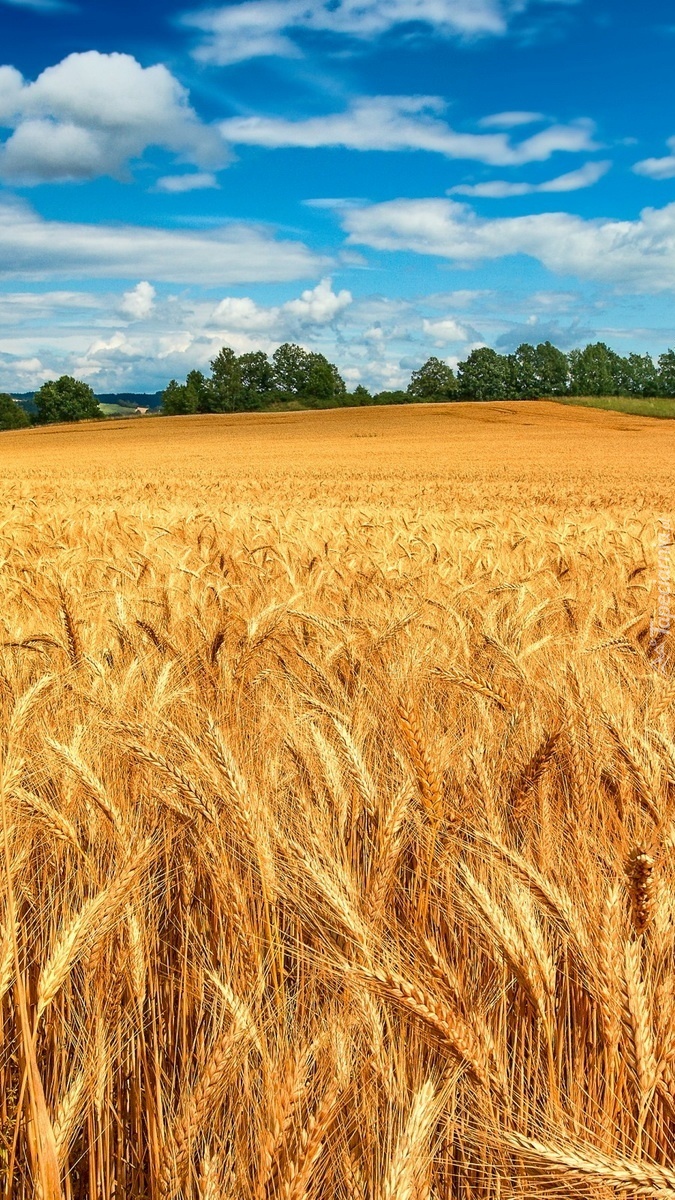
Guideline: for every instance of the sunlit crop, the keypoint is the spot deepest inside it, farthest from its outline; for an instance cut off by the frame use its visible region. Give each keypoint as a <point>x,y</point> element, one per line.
<point>338,786</point>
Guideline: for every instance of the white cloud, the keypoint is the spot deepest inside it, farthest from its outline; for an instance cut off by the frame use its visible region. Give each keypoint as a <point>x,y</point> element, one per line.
<point>34,248</point>
<point>375,340</point>
<point>196,181</point>
<point>572,181</point>
<point>107,349</point>
<point>139,302</point>
<point>319,305</point>
<point>316,306</point>
<point>92,113</point>
<point>406,123</point>
<point>243,315</point>
<point>511,120</point>
<point>17,306</point>
<point>266,27</point>
<point>180,334</point>
<point>658,168</point>
<point>630,255</point>
<point>444,331</point>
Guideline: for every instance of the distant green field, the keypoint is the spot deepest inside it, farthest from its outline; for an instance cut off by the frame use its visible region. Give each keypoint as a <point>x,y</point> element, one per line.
<point>626,404</point>
<point>116,410</point>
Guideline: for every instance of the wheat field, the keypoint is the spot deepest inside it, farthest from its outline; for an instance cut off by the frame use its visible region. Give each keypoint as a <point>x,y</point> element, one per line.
<point>338,785</point>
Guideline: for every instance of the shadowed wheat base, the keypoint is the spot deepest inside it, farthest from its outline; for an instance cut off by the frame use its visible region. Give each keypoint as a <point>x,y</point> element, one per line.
<point>337,820</point>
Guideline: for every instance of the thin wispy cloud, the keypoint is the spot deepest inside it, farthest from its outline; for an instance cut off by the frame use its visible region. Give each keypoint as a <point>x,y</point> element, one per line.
<point>501,189</point>
<point>658,168</point>
<point>35,248</point>
<point>196,181</point>
<point>510,120</point>
<point>46,6</point>
<point>397,123</point>
<point>260,28</point>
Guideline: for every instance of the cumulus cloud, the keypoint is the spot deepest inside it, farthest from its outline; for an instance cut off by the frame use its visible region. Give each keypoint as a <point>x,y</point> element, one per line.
<point>572,181</point>
<point>181,333</point>
<point>91,114</point>
<point>256,28</point>
<point>242,314</point>
<point>630,255</point>
<point>139,302</point>
<point>195,181</point>
<point>319,305</point>
<point>24,374</point>
<point>658,168</point>
<point>316,306</point>
<point>31,247</point>
<point>406,123</point>
<point>445,330</point>
<point>375,339</point>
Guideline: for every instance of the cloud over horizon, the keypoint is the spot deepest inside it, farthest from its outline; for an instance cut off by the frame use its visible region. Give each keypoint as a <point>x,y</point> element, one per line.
<point>34,248</point>
<point>630,255</point>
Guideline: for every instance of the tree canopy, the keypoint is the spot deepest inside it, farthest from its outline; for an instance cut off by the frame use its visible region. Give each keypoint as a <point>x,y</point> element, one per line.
<point>298,377</point>
<point>66,399</point>
<point>248,381</point>
<point>435,380</point>
<point>485,375</point>
<point>12,415</point>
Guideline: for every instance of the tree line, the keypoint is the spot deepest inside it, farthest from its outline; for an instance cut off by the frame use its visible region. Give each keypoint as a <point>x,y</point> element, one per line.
<point>253,381</point>
<point>294,377</point>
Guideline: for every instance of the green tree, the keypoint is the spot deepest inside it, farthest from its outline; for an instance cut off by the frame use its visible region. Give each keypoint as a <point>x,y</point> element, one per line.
<point>485,375</point>
<point>197,392</point>
<point>667,373</point>
<point>12,415</point>
<point>640,375</point>
<point>257,378</point>
<point>177,400</point>
<point>66,399</point>
<point>291,370</point>
<point>224,389</point>
<point>393,397</point>
<point>552,370</point>
<point>360,396</point>
<point>303,375</point>
<point>595,371</point>
<point>538,371</point>
<point>525,373</point>
<point>324,382</point>
<point>433,381</point>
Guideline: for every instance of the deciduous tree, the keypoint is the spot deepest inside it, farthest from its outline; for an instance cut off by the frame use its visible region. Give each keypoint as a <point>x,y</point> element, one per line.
<point>66,399</point>
<point>434,380</point>
<point>595,371</point>
<point>12,415</point>
<point>224,388</point>
<point>667,373</point>
<point>485,375</point>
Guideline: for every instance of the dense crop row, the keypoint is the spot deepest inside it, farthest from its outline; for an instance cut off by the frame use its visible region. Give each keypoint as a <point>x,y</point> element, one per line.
<point>338,854</point>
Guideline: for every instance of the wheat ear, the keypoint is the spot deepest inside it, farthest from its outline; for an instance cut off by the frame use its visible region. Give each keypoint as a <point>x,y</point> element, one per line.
<point>642,1178</point>
<point>92,923</point>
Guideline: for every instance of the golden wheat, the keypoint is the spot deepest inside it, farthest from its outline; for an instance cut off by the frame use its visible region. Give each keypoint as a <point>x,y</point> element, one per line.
<point>338,799</point>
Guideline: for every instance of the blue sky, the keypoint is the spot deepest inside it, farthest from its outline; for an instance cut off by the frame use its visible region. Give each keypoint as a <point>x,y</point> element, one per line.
<point>378,179</point>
